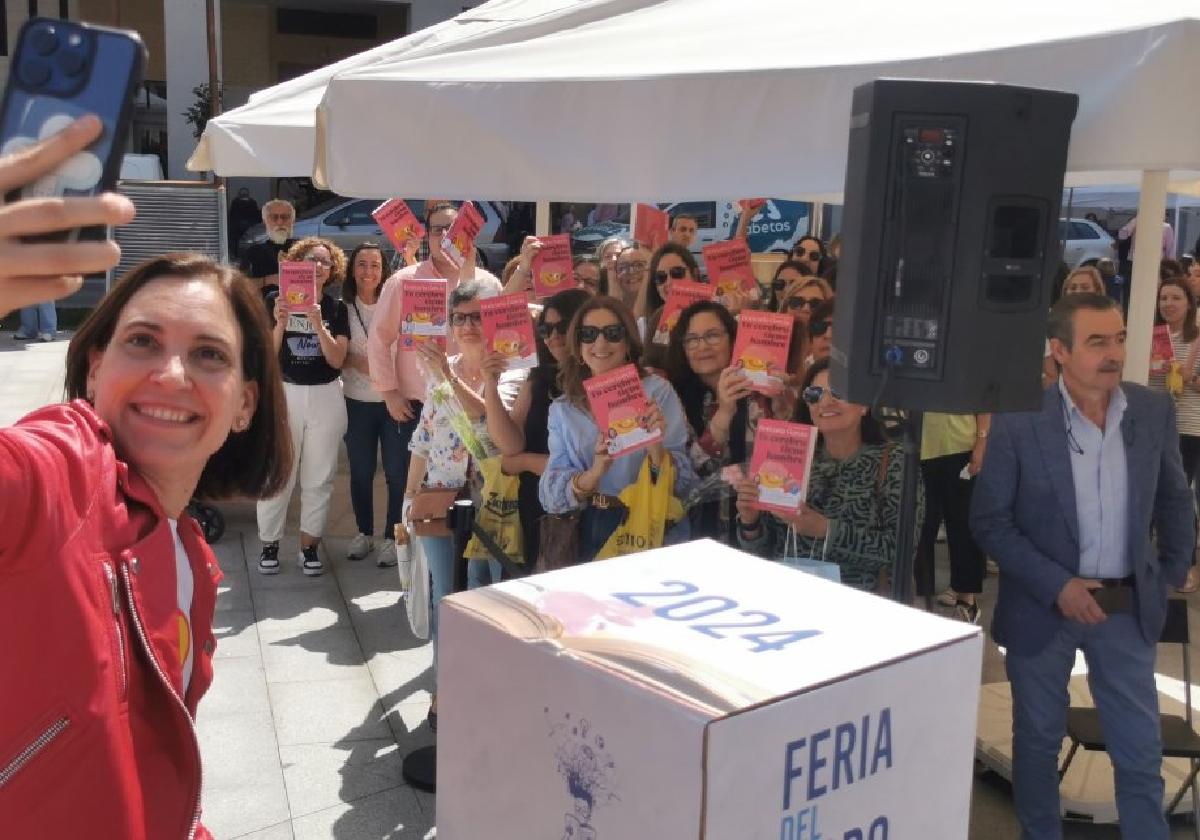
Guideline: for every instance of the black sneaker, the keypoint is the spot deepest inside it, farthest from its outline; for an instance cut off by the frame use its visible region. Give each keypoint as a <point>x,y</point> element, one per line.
<point>310,563</point>
<point>268,561</point>
<point>967,612</point>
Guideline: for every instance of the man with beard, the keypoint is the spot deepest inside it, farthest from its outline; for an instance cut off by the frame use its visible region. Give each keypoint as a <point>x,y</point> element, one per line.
<point>1064,504</point>
<point>261,260</point>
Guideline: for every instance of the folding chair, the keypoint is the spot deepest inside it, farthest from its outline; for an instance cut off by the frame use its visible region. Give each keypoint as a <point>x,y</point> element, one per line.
<point>1179,738</point>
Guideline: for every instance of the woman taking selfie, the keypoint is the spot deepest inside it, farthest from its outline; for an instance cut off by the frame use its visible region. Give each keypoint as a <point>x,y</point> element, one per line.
<point>107,589</point>
<point>580,474</point>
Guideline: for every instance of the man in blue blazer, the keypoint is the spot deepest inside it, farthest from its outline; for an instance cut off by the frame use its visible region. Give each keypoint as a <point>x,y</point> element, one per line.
<point>1064,504</point>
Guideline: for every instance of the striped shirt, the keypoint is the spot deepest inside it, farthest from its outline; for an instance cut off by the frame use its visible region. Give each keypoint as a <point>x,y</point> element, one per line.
<point>1187,404</point>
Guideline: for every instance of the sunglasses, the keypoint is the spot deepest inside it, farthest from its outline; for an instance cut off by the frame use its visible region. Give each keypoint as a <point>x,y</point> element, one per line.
<point>546,329</point>
<point>801,254</point>
<point>437,230</point>
<point>813,393</point>
<point>675,272</point>
<point>804,303</point>
<point>818,328</point>
<point>461,319</point>
<point>630,268</point>
<point>612,333</point>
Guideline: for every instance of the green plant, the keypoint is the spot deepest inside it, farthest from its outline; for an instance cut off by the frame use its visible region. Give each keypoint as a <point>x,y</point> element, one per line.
<point>200,112</point>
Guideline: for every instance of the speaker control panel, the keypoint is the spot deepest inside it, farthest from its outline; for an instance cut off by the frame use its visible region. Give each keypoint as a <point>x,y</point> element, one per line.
<point>931,151</point>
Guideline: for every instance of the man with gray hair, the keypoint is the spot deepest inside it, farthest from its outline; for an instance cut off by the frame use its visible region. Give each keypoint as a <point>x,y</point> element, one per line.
<point>261,260</point>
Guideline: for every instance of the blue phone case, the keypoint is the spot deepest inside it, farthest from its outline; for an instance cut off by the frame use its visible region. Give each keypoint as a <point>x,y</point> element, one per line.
<point>62,70</point>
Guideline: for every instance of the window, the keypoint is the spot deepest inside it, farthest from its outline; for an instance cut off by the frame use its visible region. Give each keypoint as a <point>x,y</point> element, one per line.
<point>326,24</point>
<point>1082,230</point>
<point>358,213</point>
<point>704,211</point>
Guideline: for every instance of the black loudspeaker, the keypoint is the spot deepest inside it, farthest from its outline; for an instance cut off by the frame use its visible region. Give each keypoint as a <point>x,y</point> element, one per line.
<point>950,244</point>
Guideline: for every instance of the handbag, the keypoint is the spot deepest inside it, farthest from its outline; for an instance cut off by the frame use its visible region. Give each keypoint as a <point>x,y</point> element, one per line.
<point>558,540</point>
<point>430,507</point>
<point>416,600</point>
<point>498,514</point>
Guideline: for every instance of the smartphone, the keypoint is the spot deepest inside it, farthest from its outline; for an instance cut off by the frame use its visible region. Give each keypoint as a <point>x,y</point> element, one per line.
<point>1114,599</point>
<point>62,70</point>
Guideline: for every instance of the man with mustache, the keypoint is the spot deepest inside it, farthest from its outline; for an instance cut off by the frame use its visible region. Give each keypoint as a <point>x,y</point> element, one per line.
<point>261,260</point>
<point>1064,504</point>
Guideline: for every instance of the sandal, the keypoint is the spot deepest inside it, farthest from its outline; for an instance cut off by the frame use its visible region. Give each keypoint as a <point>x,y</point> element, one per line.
<point>1191,583</point>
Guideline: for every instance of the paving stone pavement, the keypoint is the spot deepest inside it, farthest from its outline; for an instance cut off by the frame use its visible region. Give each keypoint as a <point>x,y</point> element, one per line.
<point>320,688</point>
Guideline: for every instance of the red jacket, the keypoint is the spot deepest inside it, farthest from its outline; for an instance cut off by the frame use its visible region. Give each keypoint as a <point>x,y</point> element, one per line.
<point>95,738</point>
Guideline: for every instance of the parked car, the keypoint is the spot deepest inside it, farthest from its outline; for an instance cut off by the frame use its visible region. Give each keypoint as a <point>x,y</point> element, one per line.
<point>1084,242</point>
<point>348,221</point>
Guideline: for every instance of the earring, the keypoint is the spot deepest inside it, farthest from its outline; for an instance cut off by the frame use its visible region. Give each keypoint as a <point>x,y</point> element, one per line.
<point>241,424</point>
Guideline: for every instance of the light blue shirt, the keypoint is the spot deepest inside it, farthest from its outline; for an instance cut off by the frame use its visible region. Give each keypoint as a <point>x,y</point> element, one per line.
<point>1098,465</point>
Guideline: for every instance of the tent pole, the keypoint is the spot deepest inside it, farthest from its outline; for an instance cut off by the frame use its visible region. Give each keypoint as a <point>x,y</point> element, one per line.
<point>816,220</point>
<point>541,219</point>
<point>1175,225</point>
<point>1143,286</point>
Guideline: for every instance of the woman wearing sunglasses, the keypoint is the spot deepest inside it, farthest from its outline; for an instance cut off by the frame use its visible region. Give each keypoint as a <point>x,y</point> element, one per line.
<point>312,348</point>
<point>820,332</point>
<point>853,505</point>
<point>630,274</point>
<point>580,473</point>
<point>811,251</point>
<point>721,408</point>
<point>671,262</point>
<point>785,275</point>
<point>522,434</point>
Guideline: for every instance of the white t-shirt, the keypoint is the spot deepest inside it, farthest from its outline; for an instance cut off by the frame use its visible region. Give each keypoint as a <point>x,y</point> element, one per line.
<point>184,588</point>
<point>355,384</point>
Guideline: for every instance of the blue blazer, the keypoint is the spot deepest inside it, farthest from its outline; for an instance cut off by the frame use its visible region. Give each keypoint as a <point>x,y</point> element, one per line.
<point>1023,514</point>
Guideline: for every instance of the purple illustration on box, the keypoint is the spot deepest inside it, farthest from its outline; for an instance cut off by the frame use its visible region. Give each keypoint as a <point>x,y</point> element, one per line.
<point>586,767</point>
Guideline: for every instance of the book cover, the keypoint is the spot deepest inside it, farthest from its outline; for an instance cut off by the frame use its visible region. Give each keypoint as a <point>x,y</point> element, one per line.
<point>398,223</point>
<point>422,313</point>
<point>297,284</point>
<point>552,266</point>
<point>682,295</point>
<point>457,241</point>
<point>761,348</point>
<point>780,464</point>
<point>508,329</point>
<point>651,226</point>
<point>1161,351</point>
<point>729,269</point>
<point>618,403</point>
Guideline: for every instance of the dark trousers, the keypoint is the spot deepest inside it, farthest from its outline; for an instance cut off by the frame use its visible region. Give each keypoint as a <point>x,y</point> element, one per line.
<point>370,431</point>
<point>948,497</point>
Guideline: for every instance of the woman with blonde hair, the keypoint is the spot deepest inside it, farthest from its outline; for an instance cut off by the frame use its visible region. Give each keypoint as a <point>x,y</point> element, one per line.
<point>312,346</point>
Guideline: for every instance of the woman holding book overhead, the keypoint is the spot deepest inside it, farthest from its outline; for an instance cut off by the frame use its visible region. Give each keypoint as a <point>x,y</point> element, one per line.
<point>582,479</point>
<point>312,339</point>
<point>721,407</point>
<point>853,500</point>
<point>522,434</point>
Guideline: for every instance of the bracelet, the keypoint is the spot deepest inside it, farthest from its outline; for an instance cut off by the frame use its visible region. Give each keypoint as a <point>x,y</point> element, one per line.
<point>577,490</point>
<point>749,531</point>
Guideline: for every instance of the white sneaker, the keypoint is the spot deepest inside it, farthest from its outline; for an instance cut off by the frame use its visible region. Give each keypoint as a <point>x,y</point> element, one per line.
<point>310,563</point>
<point>20,336</point>
<point>45,336</point>
<point>360,547</point>
<point>385,556</point>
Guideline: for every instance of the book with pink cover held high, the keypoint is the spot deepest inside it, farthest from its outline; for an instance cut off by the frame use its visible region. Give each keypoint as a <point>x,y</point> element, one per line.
<point>552,268</point>
<point>1161,350</point>
<point>652,226</point>
<point>458,239</point>
<point>761,348</point>
<point>683,294</point>
<point>781,462</point>
<point>398,222</point>
<point>508,329</point>
<point>297,284</point>
<point>619,404</point>
<point>729,268</point>
<point>422,313</point>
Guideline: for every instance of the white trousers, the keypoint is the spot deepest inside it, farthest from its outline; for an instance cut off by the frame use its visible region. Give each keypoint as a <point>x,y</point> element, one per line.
<point>317,419</point>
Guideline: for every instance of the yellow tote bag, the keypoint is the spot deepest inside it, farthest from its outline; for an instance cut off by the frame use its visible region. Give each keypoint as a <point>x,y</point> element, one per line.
<point>650,506</point>
<point>498,514</point>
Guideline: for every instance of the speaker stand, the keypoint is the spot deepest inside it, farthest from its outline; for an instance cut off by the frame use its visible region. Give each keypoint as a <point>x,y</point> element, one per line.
<point>902,565</point>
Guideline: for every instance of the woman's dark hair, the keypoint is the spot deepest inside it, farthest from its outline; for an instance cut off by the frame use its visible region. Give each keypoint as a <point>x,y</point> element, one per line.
<point>1190,330</point>
<point>870,429</point>
<point>654,298</point>
<point>808,237</point>
<point>823,313</point>
<point>691,388</point>
<point>350,284</point>
<point>777,285</point>
<point>543,379</point>
<point>254,463</point>
<point>1169,268</point>
<point>574,371</point>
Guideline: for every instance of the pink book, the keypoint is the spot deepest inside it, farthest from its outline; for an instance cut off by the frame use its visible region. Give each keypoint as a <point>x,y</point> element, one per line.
<point>619,404</point>
<point>297,284</point>
<point>1161,351</point>
<point>398,223</point>
<point>751,205</point>
<point>682,295</point>
<point>457,241</point>
<point>781,462</point>
<point>651,226</point>
<point>508,329</point>
<point>422,313</point>
<point>761,348</point>
<point>552,269</point>
<point>729,268</point>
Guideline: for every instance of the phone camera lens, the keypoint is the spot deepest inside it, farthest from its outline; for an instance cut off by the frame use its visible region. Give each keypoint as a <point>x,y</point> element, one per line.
<point>45,40</point>
<point>35,72</point>
<point>71,61</point>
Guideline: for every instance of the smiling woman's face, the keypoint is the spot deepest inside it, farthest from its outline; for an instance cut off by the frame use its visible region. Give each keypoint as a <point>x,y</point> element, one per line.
<point>832,414</point>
